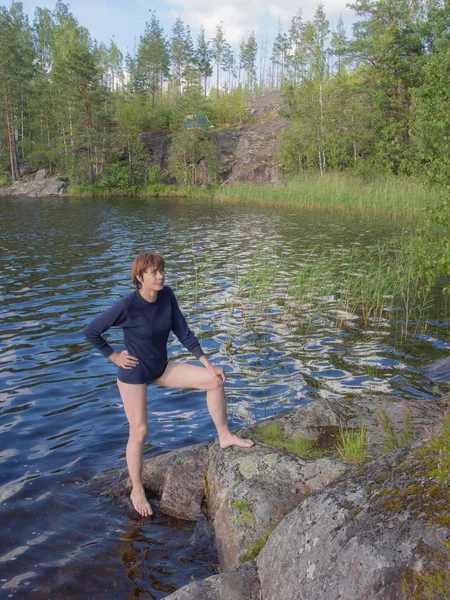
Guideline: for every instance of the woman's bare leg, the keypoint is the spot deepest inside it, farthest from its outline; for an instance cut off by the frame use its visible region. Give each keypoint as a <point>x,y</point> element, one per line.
<point>182,375</point>
<point>134,398</point>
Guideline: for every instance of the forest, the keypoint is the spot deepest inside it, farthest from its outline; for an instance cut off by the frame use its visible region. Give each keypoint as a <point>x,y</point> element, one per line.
<point>376,101</point>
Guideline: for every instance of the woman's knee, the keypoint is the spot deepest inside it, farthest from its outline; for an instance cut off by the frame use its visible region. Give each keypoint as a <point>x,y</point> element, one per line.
<point>139,433</point>
<point>213,383</point>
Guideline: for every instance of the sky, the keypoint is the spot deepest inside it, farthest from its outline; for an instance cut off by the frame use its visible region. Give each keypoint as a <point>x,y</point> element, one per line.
<point>124,20</point>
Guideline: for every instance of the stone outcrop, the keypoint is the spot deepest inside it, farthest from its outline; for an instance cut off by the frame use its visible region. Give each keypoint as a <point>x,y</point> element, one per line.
<point>328,529</point>
<point>37,186</point>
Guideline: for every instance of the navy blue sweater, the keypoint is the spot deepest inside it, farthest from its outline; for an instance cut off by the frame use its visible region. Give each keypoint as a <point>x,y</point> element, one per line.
<point>146,327</point>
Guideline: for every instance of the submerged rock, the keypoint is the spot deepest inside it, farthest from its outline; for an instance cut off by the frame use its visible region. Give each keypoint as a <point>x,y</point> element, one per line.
<point>438,371</point>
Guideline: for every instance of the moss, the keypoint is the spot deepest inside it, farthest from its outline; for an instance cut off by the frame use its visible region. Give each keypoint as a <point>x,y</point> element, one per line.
<point>245,511</point>
<point>254,548</point>
<point>393,504</point>
<point>272,435</point>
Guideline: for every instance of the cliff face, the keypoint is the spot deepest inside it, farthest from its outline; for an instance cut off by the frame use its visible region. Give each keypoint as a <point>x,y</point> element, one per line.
<point>246,153</point>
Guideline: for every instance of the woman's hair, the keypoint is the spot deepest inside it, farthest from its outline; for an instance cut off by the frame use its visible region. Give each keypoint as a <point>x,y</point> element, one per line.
<point>143,262</point>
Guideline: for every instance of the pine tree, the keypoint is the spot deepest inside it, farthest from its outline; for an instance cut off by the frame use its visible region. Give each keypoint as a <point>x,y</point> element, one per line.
<point>248,52</point>
<point>219,46</point>
<point>153,60</point>
<point>16,72</point>
<point>203,57</point>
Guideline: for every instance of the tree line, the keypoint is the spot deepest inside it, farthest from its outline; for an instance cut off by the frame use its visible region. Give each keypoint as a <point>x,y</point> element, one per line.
<point>376,101</point>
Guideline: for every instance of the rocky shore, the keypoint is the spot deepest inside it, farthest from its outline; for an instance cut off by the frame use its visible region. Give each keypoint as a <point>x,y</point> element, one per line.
<point>38,185</point>
<point>314,526</point>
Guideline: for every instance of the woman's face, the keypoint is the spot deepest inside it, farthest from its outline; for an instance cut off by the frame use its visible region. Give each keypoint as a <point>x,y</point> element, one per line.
<point>153,279</point>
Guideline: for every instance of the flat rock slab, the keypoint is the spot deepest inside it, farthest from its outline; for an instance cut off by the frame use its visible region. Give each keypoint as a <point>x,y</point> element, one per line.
<point>238,584</point>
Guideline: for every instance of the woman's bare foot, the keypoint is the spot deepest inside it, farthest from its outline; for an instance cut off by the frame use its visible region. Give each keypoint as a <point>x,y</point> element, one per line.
<point>140,503</point>
<point>233,440</point>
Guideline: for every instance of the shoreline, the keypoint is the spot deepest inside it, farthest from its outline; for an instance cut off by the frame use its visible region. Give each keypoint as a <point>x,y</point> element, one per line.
<point>376,194</point>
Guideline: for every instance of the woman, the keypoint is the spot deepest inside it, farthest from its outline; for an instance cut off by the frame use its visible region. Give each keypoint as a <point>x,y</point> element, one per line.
<point>147,316</point>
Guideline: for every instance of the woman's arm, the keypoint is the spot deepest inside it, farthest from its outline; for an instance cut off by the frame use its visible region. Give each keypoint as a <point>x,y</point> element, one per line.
<point>182,331</point>
<point>112,317</point>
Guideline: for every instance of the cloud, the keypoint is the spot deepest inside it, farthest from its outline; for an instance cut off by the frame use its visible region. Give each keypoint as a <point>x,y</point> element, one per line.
<point>241,18</point>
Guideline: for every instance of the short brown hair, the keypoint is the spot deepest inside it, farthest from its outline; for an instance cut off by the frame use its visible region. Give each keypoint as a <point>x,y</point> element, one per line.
<point>143,262</point>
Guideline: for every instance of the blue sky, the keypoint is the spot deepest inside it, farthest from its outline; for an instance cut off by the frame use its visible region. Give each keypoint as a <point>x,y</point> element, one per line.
<point>125,20</point>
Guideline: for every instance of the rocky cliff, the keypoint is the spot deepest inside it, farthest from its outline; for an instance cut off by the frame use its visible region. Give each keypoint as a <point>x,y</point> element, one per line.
<point>246,153</point>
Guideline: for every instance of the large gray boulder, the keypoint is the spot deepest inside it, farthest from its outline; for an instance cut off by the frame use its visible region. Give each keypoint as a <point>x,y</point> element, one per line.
<point>238,584</point>
<point>250,491</point>
<point>381,534</point>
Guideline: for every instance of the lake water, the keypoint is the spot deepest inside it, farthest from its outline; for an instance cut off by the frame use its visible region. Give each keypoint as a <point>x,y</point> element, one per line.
<point>61,420</point>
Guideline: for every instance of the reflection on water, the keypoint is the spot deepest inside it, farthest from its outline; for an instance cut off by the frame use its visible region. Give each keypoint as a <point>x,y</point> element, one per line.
<point>61,421</point>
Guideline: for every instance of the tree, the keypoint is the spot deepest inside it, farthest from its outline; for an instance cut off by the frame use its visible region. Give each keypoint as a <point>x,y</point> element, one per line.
<point>389,44</point>
<point>219,45</point>
<point>131,119</point>
<point>297,51</point>
<point>203,57</point>
<point>279,52</point>
<point>181,55</point>
<point>151,68</point>
<point>16,72</point>
<point>248,52</point>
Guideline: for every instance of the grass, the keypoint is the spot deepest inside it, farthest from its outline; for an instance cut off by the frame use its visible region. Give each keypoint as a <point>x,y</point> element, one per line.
<point>336,191</point>
<point>439,442</point>
<point>271,435</point>
<point>395,439</point>
<point>5,181</point>
<point>379,284</point>
<point>254,548</point>
<point>157,190</point>
<point>404,197</point>
<point>352,445</point>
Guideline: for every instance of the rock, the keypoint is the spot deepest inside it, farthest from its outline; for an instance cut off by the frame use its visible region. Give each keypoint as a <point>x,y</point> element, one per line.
<point>238,584</point>
<point>250,492</point>
<point>39,186</point>
<point>177,477</point>
<point>438,371</point>
<point>184,483</point>
<point>41,174</point>
<point>366,537</point>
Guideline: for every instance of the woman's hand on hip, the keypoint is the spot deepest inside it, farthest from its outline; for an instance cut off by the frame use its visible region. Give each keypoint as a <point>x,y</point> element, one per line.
<point>124,360</point>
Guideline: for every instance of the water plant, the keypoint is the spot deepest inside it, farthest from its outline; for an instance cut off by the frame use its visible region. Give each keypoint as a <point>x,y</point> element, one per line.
<point>352,445</point>
<point>336,191</point>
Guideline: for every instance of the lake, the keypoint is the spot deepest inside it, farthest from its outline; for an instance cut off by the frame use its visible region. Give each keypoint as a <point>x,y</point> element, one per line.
<point>62,262</point>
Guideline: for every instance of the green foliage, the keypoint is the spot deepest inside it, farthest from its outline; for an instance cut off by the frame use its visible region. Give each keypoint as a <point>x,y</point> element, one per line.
<point>190,149</point>
<point>230,109</point>
<point>271,434</point>
<point>352,445</point>
<point>245,510</point>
